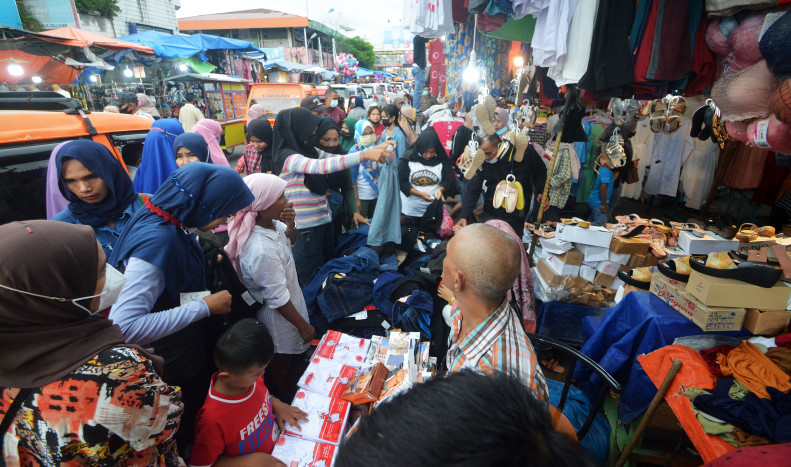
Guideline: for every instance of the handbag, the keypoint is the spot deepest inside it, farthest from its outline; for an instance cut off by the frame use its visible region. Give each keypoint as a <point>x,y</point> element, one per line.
<point>632,176</point>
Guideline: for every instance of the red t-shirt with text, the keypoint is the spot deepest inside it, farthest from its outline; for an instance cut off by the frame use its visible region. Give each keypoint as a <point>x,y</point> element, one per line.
<point>233,426</point>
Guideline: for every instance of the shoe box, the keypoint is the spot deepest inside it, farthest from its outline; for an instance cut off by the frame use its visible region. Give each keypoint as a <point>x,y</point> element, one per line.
<point>718,291</point>
<point>766,322</point>
<point>709,243</point>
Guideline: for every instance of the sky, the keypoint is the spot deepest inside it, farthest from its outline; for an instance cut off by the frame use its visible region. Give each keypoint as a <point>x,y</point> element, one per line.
<point>368,17</point>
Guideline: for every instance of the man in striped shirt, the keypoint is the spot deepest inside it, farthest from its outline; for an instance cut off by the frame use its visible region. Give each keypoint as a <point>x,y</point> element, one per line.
<point>481,265</point>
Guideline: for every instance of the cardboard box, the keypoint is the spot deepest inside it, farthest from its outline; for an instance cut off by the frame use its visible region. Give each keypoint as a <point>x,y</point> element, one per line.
<point>604,280</point>
<point>548,275</point>
<point>769,322</point>
<point>745,247</point>
<point>620,258</point>
<point>709,243</point>
<point>555,246</point>
<point>631,246</point>
<point>708,318</point>
<point>596,236</point>
<point>588,273</point>
<point>716,291</point>
<point>594,254</point>
<point>609,268</point>
<point>567,264</point>
<point>366,385</point>
<point>674,252</point>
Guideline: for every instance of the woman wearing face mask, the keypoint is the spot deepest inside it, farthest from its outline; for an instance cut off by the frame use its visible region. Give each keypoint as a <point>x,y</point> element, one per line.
<point>257,156</point>
<point>425,175</point>
<point>158,160</point>
<point>297,136</point>
<point>347,134</point>
<point>501,121</point>
<point>358,111</point>
<point>164,303</point>
<point>98,189</point>
<point>392,131</point>
<point>375,117</point>
<point>64,351</point>
<point>212,132</point>
<point>366,175</point>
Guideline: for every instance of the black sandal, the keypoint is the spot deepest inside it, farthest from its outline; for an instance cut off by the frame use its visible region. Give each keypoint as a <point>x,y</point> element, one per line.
<point>668,268</point>
<point>751,273</point>
<point>626,276</point>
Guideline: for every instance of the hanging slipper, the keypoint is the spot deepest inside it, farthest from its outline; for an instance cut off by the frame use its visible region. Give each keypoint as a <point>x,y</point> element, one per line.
<point>500,194</point>
<point>751,273</point>
<point>521,141</point>
<point>491,106</point>
<point>482,119</point>
<point>677,105</point>
<point>475,163</point>
<point>658,116</point>
<point>698,121</point>
<point>520,193</point>
<point>747,233</point>
<point>511,195</point>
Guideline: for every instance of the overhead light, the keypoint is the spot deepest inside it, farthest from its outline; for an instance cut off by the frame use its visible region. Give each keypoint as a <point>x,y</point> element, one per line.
<point>471,74</point>
<point>92,78</point>
<point>183,66</point>
<point>15,69</point>
<point>36,79</point>
<point>128,73</point>
<point>518,62</point>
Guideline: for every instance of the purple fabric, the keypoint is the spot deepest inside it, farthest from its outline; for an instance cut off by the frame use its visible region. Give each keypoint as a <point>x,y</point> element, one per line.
<point>56,202</point>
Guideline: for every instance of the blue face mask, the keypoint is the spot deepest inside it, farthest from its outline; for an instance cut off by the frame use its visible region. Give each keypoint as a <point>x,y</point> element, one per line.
<point>425,93</point>
<point>502,131</point>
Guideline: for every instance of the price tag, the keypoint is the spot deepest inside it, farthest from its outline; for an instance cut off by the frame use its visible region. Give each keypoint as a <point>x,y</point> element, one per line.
<point>187,297</point>
<point>760,132</point>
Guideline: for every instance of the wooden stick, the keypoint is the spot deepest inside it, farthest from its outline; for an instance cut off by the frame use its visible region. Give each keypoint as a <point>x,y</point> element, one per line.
<point>660,394</point>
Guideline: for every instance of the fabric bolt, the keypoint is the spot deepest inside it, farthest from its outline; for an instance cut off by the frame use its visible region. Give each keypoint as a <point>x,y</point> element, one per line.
<point>269,271</point>
<point>522,294</point>
<point>82,418</point>
<point>610,63</point>
<point>670,152</point>
<point>754,369</point>
<point>211,131</point>
<point>697,174</point>
<point>189,115</point>
<point>570,68</point>
<point>498,344</point>
<point>158,160</point>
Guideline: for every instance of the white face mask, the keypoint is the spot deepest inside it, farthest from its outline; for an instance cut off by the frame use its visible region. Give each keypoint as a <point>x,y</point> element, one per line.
<point>113,286</point>
<point>367,140</point>
<point>334,103</point>
<point>493,160</point>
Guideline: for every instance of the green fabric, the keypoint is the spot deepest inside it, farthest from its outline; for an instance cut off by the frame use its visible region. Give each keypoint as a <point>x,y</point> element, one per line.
<point>587,174</point>
<point>738,391</point>
<point>515,29</point>
<point>347,143</point>
<point>721,429</point>
<point>197,65</point>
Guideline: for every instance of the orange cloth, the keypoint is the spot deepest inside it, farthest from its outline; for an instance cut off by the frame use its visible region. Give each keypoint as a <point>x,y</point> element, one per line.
<point>754,370</point>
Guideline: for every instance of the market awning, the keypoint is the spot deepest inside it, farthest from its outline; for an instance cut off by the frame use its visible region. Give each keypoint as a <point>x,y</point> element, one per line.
<point>286,65</point>
<point>363,72</point>
<point>208,77</point>
<point>79,38</point>
<point>172,46</point>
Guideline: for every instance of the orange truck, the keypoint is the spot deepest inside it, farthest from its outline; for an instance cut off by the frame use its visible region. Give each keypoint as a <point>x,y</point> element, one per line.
<point>274,97</point>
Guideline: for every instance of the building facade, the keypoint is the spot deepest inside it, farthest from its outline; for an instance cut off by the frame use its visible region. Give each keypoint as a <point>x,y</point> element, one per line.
<point>135,16</point>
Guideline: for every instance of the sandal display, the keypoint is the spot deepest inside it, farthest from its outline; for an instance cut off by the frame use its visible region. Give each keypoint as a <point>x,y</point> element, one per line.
<point>758,274</point>
<point>722,225</point>
<point>658,115</point>
<point>676,269</point>
<point>676,106</point>
<point>640,278</point>
<point>747,233</point>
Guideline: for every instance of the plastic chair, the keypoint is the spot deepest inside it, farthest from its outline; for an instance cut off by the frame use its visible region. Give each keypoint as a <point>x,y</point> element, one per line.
<point>574,356</point>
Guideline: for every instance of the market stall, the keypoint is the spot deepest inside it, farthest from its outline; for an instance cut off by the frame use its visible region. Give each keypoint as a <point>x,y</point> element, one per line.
<point>225,100</point>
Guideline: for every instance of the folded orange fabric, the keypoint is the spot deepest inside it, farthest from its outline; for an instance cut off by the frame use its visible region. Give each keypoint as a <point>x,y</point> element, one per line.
<point>754,370</point>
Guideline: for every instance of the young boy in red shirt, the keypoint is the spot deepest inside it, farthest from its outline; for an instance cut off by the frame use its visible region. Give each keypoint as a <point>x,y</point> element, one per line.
<point>236,424</point>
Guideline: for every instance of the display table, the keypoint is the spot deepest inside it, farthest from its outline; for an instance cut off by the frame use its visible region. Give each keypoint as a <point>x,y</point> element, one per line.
<point>639,324</point>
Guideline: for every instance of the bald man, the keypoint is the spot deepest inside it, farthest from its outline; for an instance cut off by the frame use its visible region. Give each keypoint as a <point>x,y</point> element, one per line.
<point>480,267</point>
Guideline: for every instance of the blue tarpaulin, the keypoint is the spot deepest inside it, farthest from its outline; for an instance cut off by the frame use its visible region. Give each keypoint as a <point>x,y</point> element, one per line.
<point>363,72</point>
<point>174,46</point>
<point>286,65</point>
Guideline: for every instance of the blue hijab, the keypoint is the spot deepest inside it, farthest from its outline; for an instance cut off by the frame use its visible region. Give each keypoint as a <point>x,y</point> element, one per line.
<point>158,160</point>
<point>358,102</point>
<point>195,195</point>
<point>99,160</point>
<point>195,143</point>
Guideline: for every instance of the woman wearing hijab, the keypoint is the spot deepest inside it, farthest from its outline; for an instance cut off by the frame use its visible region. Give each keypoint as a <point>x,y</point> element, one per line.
<point>366,175</point>
<point>261,238</point>
<point>358,111</point>
<point>158,160</point>
<point>212,132</point>
<point>98,189</point>
<point>255,111</point>
<point>112,406</point>
<point>145,105</point>
<point>297,135</point>
<point>191,147</point>
<point>258,154</point>
<point>425,176</point>
<point>501,121</point>
<point>347,134</point>
<point>164,303</point>
<point>521,294</point>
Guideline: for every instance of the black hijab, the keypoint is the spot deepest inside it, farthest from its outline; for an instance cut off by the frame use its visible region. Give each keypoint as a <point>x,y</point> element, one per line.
<point>337,180</point>
<point>427,139</point>
<point>262,129</point>
<point>297,132</point>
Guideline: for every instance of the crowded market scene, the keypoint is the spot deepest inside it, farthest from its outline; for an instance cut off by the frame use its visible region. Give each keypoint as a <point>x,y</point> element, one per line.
<point>429,233</point>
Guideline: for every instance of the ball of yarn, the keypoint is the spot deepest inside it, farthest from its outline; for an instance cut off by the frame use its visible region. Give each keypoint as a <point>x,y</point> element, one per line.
<point>781,102</point>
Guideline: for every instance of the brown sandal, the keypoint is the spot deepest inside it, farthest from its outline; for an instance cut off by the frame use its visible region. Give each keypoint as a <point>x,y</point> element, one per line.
<point>747,233</point>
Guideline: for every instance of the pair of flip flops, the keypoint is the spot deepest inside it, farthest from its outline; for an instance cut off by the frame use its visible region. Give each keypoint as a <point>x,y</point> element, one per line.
<point>509,195</point>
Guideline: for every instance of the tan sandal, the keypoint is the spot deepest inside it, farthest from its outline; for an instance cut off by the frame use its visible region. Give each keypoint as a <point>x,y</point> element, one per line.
<point>747,233</point>
<point>766,231</point>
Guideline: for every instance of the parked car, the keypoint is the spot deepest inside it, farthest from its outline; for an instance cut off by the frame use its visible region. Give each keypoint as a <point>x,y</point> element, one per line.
<point>31,125</point>
<point>376,95</point>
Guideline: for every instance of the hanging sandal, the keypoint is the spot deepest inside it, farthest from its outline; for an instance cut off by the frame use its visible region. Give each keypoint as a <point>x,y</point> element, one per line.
<point>747,233</point>
<point>511,198</point>
<point>658,116</point>
<point>521,141</point>
<point>676,106</point>
<point>500,194</point>
<point>475,163</point>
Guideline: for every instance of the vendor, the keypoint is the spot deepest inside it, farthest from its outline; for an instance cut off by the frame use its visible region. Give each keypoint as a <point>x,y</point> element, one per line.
<point>530,172</point>
<point>480,267</point>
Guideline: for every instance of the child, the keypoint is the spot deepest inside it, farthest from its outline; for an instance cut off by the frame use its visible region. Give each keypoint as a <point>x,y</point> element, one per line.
<point>238,417</point>
<point>602,189</point>
<point>260,240</point>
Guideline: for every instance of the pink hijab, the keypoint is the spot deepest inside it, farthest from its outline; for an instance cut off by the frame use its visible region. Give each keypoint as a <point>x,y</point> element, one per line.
<point>521,294</point>
<point>211,132</point>
<point>255,111</point>
<point>267,189</point>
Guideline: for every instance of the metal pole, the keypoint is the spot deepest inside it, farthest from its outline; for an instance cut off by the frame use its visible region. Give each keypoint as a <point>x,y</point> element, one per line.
<point>334,53</point>
<point>321,53</point>
<point>305,35</point>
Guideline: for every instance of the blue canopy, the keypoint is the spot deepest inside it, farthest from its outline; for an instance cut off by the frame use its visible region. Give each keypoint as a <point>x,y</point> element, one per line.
<point>285,65</point>
<point>363,71</point>
<point>170,46</point>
